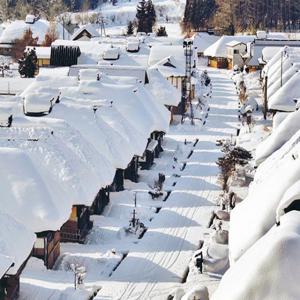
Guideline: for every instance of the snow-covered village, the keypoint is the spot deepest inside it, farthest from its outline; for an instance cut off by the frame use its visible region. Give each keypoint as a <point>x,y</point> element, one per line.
<point>149,149</point>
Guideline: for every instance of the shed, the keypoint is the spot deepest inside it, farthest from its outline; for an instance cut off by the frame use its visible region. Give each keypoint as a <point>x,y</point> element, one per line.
<point>85,33</point>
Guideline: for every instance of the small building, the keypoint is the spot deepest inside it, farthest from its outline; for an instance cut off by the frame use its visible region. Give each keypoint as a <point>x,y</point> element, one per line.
<point>217,52</point>
<point>112,53</point>
<point>118,182</point>
<point>15,248</point>
<point>85,33</point>
<point>47,247</point>
<point>101,200</point>
<point>131,172</point>
<point>133,45</point>
<point>77,227</point>
<point>147,160</point>
<point>43,55</point>
<point>236,54</point>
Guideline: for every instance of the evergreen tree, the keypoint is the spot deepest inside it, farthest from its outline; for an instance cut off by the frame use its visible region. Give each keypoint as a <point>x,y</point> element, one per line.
<point>146,16</point>
<point>141,16</point>
<point>150,16</point>
<point>130,28</point>
<point>161,31</point>
<point>28,64</point>
<point>198,14</point>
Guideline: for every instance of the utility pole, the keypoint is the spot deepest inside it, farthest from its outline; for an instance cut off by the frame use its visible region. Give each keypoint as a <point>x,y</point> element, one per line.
<point>186,87</point>
<point>101,22</point>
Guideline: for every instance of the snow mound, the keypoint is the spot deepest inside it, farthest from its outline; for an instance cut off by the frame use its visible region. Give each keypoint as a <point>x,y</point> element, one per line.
<point>269,269</point>
<point>287,128</point>
<point>273,178</point>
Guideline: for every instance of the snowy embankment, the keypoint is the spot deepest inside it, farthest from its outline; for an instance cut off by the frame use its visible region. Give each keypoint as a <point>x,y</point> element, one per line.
<point>160,259</point>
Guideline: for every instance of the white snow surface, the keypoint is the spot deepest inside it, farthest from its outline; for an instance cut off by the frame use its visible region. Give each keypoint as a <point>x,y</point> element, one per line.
<point>280,135</point>
<point>269,269</point>
<point>265,194</point>
<point>16,240</point>
<point>16,29</point>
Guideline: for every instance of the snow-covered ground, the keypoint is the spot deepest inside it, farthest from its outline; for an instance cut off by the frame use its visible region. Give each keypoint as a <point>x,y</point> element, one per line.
<point>120,265</point>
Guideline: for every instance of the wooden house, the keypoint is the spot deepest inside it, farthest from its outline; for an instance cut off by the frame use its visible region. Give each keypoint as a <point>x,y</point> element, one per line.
<point>118,182</point>
<point>101,200</point>
<point>43,55</point>
<point>131,172</point>
<point>236,54</point>
<point>78,225</point>
<point>158,136</point>
<point>47,247</point>
<point>10,285</point>
<point>217,53</point>
<point>16,245</point>
<point>147,160</point>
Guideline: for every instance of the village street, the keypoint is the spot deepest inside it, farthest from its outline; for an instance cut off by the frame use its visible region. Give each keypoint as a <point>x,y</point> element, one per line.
<point>160,260</point>
<point>121,266</point>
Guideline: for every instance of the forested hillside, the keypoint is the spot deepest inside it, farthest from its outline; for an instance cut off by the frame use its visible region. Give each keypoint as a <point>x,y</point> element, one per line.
<point>242,15</point>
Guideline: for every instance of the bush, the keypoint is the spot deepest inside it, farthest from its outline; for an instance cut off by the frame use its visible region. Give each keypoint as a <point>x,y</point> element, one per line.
<point>161,31</point>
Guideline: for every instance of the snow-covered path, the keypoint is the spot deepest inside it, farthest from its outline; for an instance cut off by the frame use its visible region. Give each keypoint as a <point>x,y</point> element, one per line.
<point>159,261</point>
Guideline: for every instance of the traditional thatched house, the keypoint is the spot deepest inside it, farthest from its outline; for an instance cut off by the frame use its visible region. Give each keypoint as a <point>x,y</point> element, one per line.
<point>15,249</point>
<point>47,247</point>
<point>78,225</point>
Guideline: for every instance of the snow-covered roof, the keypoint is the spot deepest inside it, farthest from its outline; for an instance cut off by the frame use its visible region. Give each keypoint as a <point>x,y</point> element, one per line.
<point>111,53</point>
<point>234,43</point>
<point>169,66</point>
<point>164,92</point>
<point>284,98</point>
<point>89,28</point>
<point>202,40</point>
<point>269,52</point>
<point>219,48</point>
<point>287,128</point>
<point>53,154</point>
<point>269,269</point>
<point>16,240</point>
<point>117,71</point>
<point>15,30</point>
<point>91,51</point>
<point>272,179</point>
<point>160,52</point>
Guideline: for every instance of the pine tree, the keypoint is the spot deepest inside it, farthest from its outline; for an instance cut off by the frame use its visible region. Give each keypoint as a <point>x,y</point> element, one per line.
<point>130,28</point>
<point>28,64</point>
<point>161,31</point>
<point>141,16</point>
<point>150,16</point>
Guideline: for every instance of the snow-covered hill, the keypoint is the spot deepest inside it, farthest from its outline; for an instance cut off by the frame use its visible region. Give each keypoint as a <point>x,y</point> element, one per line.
<point>125,11</point>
